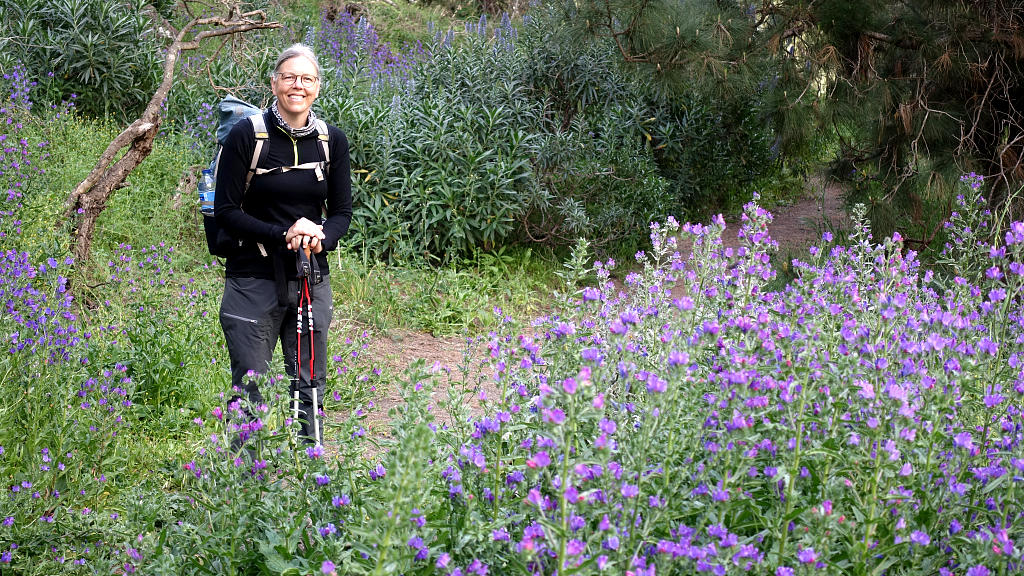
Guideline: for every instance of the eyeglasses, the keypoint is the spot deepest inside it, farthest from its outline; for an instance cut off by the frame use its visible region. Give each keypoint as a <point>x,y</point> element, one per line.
<point>291,79</point>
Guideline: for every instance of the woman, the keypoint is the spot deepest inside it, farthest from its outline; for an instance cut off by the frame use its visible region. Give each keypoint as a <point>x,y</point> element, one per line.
<point>276,212</point>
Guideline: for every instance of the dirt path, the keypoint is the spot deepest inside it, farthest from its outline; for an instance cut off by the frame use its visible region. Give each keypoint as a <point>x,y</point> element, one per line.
<point>794,227</point>
<point>800,225</point>
<point>446,357</point>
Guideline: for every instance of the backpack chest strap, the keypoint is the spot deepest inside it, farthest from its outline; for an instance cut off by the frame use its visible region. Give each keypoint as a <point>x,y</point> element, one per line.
<point>317,167</point>
<point>259,127</point>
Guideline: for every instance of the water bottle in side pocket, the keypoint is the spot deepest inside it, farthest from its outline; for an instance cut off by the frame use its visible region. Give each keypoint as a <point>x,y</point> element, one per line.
<point>206,192</point>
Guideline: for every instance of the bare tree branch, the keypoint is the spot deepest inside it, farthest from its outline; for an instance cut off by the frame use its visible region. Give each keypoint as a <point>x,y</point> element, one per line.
<point>90,196</point>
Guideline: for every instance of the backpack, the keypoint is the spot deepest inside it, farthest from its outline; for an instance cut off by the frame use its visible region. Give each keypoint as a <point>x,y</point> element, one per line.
<point>231,110</point>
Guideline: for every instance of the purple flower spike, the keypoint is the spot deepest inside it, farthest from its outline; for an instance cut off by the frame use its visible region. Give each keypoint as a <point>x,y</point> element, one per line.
<point>963,440</point>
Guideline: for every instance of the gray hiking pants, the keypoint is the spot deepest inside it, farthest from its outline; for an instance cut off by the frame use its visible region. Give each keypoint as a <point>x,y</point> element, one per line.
<point>254,320</point>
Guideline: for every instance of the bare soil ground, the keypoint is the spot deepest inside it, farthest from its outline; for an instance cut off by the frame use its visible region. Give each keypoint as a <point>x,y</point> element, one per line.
<point>795,227</point>
<point>445,356</point>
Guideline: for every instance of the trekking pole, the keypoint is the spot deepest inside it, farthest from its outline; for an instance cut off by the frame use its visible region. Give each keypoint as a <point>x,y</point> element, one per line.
<point>305,295</point>
<point>312,356</point>
<point>298,356</point>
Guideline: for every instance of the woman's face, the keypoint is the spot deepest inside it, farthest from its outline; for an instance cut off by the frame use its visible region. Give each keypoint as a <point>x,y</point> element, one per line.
<point>295,99</point>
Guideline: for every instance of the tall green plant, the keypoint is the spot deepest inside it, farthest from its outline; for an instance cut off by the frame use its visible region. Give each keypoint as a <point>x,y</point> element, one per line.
<point>442,168</point>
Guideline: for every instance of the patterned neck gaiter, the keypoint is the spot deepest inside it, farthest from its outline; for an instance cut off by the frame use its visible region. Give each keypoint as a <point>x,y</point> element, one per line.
<point>306,130</point>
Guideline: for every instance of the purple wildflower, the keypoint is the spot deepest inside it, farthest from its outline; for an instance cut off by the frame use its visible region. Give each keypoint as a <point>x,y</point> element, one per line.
<point>807,555</point>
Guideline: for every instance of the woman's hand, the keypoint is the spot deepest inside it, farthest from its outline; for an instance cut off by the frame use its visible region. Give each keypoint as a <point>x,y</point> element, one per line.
<point>309,243</point>
<point>306,235</point>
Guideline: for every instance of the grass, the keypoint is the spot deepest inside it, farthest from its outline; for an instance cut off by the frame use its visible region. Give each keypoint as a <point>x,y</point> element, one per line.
<point>400,22</point>
<point>455,299</point>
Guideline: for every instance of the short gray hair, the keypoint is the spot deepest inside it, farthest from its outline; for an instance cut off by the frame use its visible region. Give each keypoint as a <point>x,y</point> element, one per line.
<point>294,51</point>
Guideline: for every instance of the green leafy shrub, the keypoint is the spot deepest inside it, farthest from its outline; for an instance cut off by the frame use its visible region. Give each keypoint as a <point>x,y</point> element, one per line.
<point>595,183</point>
<point>711,154</point>
<point>440,169</point>
<point>102,51</point>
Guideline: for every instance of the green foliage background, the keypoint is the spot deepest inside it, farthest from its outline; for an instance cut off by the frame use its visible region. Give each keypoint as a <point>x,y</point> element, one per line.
<point>908,95</point>
<point>504,133</point>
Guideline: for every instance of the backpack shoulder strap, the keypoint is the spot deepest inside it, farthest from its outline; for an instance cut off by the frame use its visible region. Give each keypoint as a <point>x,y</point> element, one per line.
<point>259,129</point>
<point>325,142</point>
<point>325,145</point>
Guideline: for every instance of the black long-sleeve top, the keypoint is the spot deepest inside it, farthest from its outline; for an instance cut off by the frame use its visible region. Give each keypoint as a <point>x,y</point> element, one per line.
<point>275,201</point>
